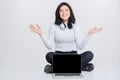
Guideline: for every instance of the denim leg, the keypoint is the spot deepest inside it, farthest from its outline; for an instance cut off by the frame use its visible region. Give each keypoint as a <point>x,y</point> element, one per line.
<point>49,57</point>
<point>86,57</point>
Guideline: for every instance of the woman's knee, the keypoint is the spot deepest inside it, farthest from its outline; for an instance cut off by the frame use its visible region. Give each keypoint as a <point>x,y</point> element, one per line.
<point>49,55</point>
<point>88,54</point>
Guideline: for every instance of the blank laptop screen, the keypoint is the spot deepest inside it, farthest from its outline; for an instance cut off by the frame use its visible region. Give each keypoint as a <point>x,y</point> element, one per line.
<point>66,63</point>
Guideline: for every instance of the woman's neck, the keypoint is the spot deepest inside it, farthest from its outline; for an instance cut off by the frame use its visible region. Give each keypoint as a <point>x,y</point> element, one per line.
<point>65,22</point>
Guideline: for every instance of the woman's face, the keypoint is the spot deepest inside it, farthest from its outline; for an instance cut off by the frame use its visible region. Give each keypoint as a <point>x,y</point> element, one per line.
<point>64,13</point>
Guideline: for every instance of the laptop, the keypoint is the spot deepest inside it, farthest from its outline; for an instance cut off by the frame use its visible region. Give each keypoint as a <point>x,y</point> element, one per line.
<point>66,65</point>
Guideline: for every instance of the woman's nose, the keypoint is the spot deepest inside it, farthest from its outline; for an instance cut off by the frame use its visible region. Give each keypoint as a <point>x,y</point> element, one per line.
<point>64,11</point>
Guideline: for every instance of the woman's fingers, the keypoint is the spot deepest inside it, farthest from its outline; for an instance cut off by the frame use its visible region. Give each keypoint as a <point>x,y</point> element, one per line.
<point>37,25</point>
<point>31,26</point>
<point>100,29</point>
<point>95,30</point>
<point>37,29</point>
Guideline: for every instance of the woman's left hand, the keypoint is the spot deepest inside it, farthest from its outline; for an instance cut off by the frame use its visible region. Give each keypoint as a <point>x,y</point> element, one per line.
<point>94,30</point>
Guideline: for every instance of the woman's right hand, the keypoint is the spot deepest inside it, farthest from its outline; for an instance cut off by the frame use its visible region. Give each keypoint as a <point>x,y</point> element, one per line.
<point>36,29</point>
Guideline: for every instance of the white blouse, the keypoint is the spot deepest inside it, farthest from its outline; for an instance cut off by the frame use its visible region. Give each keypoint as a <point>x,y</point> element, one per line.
<point>64,39</point>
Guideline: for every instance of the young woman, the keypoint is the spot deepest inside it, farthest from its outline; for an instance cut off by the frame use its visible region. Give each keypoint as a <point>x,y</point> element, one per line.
<point>65,35</point>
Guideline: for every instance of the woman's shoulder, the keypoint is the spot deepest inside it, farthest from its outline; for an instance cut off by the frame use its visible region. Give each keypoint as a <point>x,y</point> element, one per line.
<point>53,26</point>
<point>76,25</point>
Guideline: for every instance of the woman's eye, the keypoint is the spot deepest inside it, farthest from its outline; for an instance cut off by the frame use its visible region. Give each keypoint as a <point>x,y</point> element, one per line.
<point>61,10</point>
<point>66,9</point>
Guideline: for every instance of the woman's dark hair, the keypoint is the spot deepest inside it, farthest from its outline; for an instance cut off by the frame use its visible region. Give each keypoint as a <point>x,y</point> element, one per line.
<point>58,20</point>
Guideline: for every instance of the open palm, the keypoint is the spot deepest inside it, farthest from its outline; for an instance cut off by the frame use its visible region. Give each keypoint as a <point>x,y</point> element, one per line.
<point>95,30</point>
<point>36,29</point>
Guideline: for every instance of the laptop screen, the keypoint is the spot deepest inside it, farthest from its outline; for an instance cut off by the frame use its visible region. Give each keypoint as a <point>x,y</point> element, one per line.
<point>66,63</point>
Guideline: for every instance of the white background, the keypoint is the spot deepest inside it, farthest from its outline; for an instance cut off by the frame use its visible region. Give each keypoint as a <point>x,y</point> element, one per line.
<point>22,53</point>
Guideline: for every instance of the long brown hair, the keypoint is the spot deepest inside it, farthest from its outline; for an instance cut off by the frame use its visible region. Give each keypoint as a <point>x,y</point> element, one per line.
<point>58,20</point>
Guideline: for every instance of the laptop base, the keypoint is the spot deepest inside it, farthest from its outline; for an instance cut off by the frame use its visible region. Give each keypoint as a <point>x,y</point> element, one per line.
<point>67,75</point>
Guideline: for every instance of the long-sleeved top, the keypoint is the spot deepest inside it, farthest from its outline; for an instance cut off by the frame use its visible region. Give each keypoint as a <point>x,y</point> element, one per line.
<point>65,39</point>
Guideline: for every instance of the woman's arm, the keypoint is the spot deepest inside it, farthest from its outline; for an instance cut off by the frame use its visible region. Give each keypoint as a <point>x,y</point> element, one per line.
<point>48,42</point>
<point>82,41</point>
